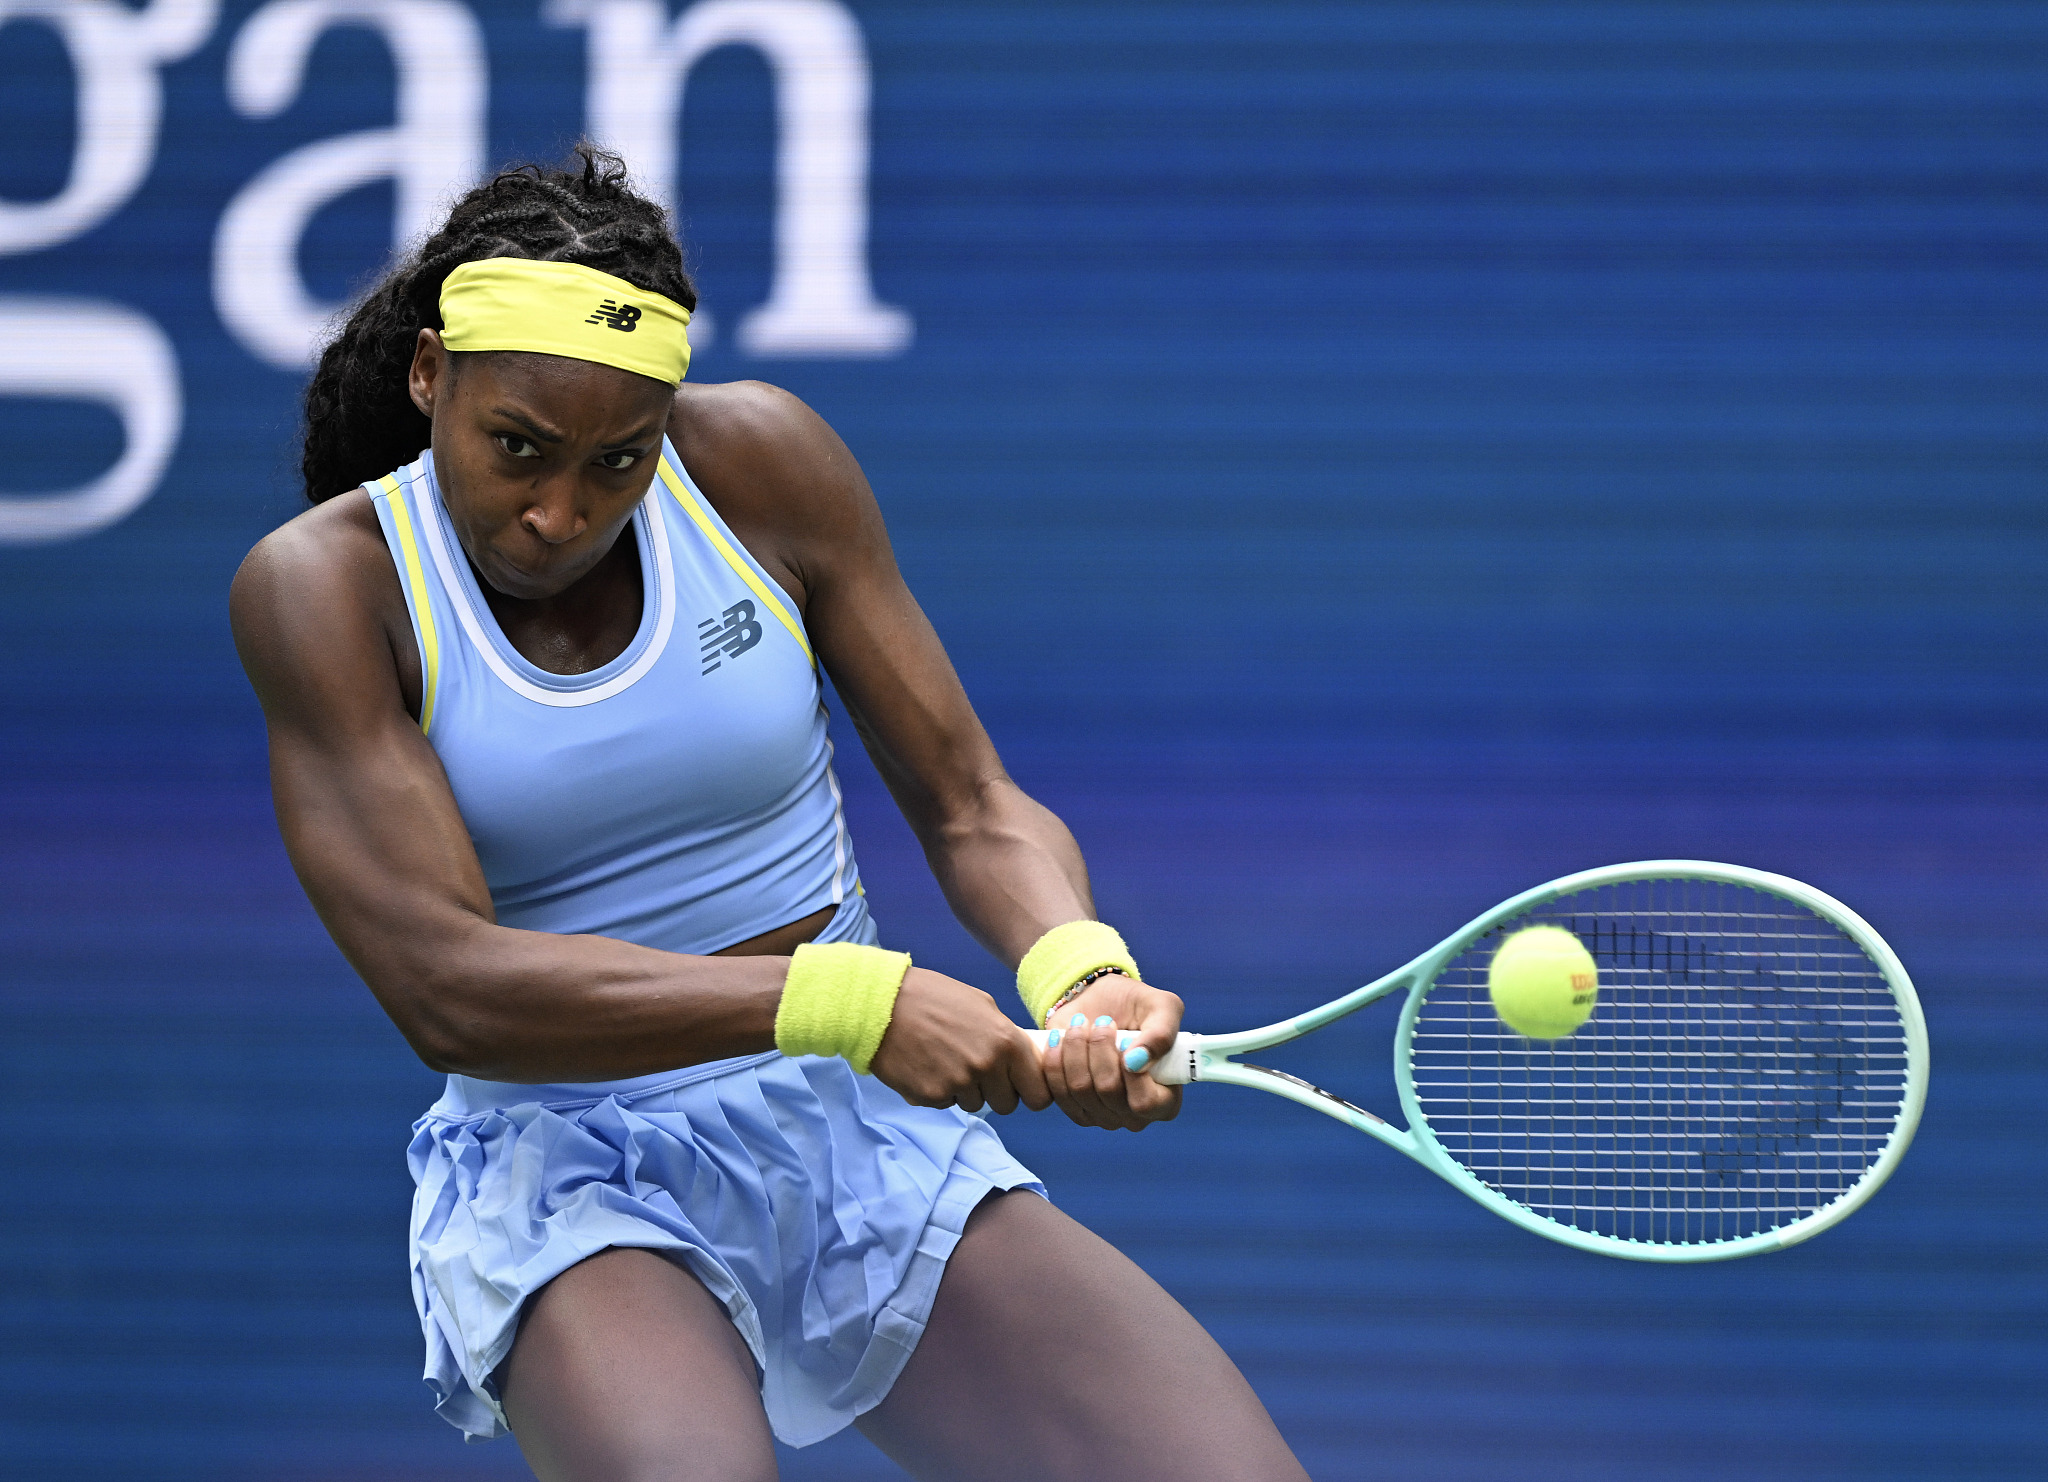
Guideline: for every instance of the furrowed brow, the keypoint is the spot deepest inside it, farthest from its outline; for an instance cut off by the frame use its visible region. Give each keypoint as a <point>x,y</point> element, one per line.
<point>645,436</point>
<point>528,423</point>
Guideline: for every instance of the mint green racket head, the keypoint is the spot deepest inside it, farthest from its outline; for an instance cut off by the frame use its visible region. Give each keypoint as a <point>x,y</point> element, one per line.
<point>1752,1072</point>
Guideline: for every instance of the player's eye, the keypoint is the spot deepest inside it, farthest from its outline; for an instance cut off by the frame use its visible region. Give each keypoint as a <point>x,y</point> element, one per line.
<point>517,446</point>
<point>617,462</point>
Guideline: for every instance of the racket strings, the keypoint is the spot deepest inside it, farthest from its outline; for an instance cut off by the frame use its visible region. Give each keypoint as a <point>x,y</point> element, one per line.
<point>1744,1067</point>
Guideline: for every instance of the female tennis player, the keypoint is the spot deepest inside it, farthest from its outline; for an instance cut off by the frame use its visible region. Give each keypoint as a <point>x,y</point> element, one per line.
<point>541,674</point>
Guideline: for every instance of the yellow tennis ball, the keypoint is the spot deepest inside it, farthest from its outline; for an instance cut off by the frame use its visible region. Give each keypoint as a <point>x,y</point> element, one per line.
<point>1542,982</point>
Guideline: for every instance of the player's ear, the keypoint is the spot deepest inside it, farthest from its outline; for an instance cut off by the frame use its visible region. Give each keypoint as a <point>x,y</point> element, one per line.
<point>432,368</point>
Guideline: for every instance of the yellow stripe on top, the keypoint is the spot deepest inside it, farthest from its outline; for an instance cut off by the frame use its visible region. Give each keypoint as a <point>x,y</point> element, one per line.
<point>733,558</point>
<point>422,605</point>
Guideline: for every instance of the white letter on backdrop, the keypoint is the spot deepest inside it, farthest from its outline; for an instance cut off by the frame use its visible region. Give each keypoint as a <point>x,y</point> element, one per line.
<point>90,349</point>
<point>434,151</point>
<point>115,53</point>
<point>820,299</point>
<point>87,350</point>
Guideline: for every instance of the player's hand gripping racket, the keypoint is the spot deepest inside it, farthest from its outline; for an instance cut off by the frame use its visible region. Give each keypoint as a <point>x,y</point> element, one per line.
<point>1751,1071</point>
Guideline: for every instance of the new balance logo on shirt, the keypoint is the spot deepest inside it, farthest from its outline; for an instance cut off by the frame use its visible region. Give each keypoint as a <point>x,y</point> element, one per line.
<point>729,636</point>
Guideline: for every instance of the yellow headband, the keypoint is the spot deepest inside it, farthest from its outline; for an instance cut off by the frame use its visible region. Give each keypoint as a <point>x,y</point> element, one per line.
<point>564,308</point>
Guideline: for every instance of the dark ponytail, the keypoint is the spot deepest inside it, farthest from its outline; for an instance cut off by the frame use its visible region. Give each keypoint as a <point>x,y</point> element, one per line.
<point>360,420</point>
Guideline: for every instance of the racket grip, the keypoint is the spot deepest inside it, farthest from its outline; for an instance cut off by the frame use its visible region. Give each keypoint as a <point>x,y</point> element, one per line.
<point>1175,1068</point>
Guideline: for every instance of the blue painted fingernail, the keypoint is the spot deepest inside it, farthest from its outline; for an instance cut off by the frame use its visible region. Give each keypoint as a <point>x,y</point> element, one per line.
<point>1123,1041</point>
<point>1138,1059</point>
<point>1052,1039</point>
<point>1104,1022</point>
<point>1079,1021</point>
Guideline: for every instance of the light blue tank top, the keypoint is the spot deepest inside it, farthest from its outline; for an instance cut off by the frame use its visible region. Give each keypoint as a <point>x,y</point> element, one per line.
<point>680,797</point>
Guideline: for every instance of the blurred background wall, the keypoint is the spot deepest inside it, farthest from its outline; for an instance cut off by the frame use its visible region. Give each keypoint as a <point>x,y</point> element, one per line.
<point>1364,459</point>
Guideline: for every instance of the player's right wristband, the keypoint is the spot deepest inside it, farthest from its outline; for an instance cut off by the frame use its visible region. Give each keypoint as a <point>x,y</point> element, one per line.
<point>1063,957</point>
<point>837,1000</point>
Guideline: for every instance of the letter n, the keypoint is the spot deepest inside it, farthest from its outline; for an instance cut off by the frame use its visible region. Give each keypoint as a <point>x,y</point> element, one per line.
<point>820,299</point>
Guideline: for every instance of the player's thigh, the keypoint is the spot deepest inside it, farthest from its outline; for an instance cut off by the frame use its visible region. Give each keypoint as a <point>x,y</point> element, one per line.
<point>627,1370</point>
<point>1051,1356</point>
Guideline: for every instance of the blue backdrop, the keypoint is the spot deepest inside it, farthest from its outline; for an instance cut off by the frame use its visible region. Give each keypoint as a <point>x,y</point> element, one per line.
<point>1364,459</point>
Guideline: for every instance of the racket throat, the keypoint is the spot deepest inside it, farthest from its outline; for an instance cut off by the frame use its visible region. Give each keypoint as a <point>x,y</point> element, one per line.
<point>1311,1087</point>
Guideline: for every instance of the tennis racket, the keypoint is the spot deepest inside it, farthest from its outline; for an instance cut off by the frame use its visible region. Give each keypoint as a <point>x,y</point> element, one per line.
<point>1753,1070</point>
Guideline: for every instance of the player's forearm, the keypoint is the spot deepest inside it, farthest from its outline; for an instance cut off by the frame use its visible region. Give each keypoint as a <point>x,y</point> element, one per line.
<point>1010,869</point>
<point>508,1005</point>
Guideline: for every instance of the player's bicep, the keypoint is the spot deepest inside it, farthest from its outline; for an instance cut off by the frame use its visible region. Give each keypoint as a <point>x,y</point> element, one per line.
<point>904,695</point>
<point>367,816</point>
<point>373,832</point>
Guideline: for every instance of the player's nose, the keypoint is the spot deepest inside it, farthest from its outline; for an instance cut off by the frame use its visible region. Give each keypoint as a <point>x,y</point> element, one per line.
<point>556,518</point>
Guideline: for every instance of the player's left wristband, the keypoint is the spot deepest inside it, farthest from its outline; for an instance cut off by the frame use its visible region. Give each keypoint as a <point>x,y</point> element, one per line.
<point>1061,958</point>
<point>837,1000</point>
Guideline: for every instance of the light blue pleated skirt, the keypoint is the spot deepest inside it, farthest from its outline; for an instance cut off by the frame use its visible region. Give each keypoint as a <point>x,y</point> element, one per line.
<point>818,1205</point>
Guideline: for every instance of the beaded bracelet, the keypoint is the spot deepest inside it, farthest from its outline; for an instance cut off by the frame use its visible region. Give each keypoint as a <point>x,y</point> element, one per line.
<point>1076,991</point>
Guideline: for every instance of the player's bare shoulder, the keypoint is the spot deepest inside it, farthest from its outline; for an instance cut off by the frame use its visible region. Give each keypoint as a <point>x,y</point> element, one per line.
<point>319,597</point>
<point>777,472</point>
<point>748,419</point>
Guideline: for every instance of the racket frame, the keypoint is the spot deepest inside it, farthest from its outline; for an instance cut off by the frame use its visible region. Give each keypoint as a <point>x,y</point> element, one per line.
<point>1213,1058</point>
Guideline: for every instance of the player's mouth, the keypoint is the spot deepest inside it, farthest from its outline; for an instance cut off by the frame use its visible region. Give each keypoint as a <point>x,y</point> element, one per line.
<point>531,579</point>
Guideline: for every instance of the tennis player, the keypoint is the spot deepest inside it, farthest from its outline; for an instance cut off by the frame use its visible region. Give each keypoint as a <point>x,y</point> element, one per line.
<point>541,669</point>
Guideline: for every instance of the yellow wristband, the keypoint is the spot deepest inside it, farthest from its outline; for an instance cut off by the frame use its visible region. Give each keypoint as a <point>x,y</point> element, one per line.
<point>837,1000</point>
<point>1063,957</point>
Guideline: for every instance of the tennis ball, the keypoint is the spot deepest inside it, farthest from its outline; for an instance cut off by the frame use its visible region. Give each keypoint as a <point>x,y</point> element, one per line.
<point>1542,982</point>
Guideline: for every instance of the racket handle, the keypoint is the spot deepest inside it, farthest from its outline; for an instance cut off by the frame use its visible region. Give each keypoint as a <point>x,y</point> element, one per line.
<point>1175,1068</point>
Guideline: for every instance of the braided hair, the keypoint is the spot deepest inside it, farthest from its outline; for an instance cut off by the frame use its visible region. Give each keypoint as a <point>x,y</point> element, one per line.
<point>360,419</point>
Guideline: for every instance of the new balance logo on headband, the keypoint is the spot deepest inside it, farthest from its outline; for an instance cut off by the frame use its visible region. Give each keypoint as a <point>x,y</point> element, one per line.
<point>728,639</point>
<point>621,317</point>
